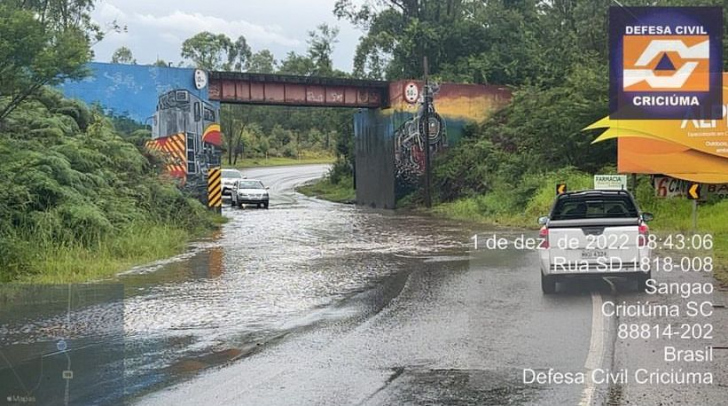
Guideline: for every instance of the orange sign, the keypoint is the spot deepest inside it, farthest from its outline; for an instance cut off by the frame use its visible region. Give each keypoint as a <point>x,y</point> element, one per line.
<point>691,149</point>
<point>670,63</point>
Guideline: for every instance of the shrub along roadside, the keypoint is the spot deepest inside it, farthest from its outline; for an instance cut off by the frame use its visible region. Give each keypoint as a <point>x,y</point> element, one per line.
<point>79,200</point>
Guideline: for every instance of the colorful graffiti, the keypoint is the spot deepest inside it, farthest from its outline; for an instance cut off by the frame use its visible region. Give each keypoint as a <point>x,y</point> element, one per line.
<point>184,123</point>
<point>409,147</point>
<point>454,106</point>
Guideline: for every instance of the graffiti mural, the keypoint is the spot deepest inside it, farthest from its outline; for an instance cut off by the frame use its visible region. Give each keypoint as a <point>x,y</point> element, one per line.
<point>185,128</point>
<point>409,147</point>
<point>390,142</point>
<point>184,122</point>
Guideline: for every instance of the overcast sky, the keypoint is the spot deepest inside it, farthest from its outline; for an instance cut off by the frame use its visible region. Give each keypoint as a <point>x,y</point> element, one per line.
<point>157,28</point>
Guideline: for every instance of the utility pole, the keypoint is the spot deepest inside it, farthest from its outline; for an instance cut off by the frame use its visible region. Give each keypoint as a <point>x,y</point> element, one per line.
<point>425,130</point>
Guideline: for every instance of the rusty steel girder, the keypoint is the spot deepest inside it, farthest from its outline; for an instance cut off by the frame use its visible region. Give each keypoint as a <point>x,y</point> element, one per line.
<point>289,90</point>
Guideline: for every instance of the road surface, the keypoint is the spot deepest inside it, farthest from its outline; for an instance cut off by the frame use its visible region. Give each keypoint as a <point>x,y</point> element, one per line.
<point>316,303</point>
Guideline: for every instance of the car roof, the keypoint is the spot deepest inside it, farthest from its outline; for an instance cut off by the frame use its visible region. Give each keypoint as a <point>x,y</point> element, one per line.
<point>251,180</point>
<point>595,193</point>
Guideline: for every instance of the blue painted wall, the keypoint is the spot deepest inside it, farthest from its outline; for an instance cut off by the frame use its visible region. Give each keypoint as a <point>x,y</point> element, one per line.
<point>130,90</point>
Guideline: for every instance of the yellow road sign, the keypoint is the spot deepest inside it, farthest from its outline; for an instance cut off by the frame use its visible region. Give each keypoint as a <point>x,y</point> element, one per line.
<point>694,191</point>
<point>214,188</point>
<point>560,188</point>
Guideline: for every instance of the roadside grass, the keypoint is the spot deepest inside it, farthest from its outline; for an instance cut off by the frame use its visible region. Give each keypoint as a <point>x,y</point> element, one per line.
<point>137,244</point>
<point>342,192</point>
<point>279,161</point>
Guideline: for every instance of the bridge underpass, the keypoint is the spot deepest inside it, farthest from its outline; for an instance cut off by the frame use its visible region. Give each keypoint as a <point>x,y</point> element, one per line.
<point>389,148</point>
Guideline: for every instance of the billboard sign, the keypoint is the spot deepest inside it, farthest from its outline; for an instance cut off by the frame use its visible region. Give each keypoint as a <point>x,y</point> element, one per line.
<point>666,186</point>
<point>665,62</point>
<point>691,149</point>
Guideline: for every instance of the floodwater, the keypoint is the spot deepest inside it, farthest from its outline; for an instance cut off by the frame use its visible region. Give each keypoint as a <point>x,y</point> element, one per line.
<point>266,275</point>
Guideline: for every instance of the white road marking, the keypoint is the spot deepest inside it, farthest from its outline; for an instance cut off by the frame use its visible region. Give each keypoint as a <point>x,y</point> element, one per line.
<point>595,356</point>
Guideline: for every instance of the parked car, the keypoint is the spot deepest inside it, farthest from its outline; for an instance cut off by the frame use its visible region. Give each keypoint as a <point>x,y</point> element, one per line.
<point>594,233</point>
<point>229,177</point>
<point>250,191</point>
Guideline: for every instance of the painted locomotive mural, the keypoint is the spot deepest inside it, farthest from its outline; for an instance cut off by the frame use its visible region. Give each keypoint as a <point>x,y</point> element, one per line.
<point>184,122</point>
<point>409,145</point>
<point>390,143</point>
<point>453,107</point>
<point>186,130</point>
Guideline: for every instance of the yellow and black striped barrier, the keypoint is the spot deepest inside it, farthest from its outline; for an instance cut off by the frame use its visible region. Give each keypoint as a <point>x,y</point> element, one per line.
<point>214,189</point>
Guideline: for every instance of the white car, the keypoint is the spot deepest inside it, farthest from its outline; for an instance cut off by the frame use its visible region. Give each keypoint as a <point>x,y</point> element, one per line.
<point>250,191</point>
<point>229,177</point>
<point>594,233</point>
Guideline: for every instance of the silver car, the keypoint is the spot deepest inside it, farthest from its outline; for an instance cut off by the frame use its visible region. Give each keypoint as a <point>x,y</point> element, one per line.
<point>250,191</point>
<point>229,177</point>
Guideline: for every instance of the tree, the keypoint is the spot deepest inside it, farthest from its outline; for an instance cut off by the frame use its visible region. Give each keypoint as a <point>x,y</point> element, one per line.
<point>296,64</point>
<point>123,55</point>
<point>262,61</point>
<point>160,63</point>
<point>42,43</point>
<point>216,51</point>
<point>320,47</point>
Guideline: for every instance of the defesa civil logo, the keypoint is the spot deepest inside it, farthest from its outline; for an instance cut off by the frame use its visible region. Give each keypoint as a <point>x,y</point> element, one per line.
<point>665,62</point>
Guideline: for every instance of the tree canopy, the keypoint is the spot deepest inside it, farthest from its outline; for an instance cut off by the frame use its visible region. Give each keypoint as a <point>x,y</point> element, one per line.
<point>216,51</point>
<point>123,55</point>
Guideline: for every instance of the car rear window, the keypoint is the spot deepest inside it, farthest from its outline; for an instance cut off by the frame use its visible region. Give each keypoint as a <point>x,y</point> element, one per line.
<point>587,207</point>
<point>250,184</point>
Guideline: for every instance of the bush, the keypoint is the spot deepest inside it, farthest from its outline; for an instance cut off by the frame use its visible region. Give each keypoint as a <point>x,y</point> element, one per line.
<point>69,181</point>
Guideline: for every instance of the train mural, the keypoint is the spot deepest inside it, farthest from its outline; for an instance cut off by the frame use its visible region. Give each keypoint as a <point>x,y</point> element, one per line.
<point>184,123</point>
<point>186,131</point>
<point>390,143</point>
<point>454,106</point>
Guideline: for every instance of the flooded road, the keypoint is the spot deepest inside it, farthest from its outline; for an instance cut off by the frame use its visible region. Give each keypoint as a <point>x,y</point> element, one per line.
<point>316,303</point>
<point>266,275</point>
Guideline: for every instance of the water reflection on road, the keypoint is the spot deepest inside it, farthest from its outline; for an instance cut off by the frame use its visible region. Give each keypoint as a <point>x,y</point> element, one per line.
<point>267,274</point>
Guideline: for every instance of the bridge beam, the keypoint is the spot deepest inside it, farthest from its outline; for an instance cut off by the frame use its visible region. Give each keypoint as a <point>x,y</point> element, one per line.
<point>288,90</point>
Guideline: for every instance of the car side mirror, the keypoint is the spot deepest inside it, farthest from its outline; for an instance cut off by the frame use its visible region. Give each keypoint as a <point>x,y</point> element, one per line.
<point>647,217</point>
<point>267,187</point>
<point>543,220</point>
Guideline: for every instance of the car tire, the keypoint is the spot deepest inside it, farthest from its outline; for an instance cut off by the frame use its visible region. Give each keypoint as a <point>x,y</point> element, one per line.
<point>265,205</point>
<point>548,284</point>
<point>642,281</point>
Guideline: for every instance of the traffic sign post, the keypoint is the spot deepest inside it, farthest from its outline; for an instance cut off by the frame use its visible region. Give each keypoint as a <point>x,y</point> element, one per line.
<point>694,195</point>
<point>560,188</point>
<point>694,191</point>
<point>425,130</point>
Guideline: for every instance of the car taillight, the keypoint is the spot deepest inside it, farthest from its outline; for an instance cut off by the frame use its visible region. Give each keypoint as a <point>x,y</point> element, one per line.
<point>644,231</point>
<point>543,235</point>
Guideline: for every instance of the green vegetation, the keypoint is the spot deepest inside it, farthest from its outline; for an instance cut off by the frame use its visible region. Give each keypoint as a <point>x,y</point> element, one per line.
<point>341,191</point>
<point>81,199</point>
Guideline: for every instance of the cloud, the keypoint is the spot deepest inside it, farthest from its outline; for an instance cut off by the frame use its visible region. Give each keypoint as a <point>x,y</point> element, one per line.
<point>171,38</point>
<point>108,12</point>
<point>192,23</point>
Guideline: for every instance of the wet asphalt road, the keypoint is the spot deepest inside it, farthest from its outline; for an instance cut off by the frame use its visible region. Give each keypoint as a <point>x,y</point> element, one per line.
<point>315,303</point>
<point>373,307</point>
